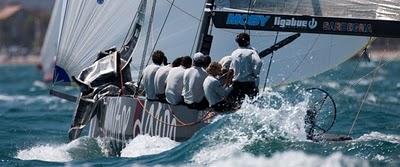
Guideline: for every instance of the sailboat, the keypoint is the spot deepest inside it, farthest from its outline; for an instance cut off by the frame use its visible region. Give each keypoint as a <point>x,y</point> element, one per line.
<point>298,39</point>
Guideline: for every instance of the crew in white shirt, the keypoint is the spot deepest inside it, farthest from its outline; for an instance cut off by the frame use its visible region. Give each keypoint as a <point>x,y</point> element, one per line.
<point>193,78</point>
<point>160,79</point>
<point>225,63</point>
<point>214,90</point>
<point>173,90</point>
<point>245,65</point>
<point>149,72</point>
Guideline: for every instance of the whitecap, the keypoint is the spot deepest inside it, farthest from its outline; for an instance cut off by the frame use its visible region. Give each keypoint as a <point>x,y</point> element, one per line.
<point>147,145</point>
<point>372,98</point>
<point>289,159</point>
<point>51,153</point>
<point>333,85</point>
<point>255,120</point>
<point>24,99</point>
<point>81,148</point>
<point>395,139</point>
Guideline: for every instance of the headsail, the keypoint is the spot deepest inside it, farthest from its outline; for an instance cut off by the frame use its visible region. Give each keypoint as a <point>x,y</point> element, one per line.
<point>88,27</point>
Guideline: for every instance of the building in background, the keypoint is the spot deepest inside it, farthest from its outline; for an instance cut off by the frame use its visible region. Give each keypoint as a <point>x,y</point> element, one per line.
<point>23,24</point>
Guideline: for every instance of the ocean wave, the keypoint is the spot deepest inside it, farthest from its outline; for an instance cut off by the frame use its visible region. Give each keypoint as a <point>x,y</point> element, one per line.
<point>395,139</point>
<point>256,120</point>
<point>81,149</point>
<point>24,99</point>
<point>147,145</point>
<point>290,158</point>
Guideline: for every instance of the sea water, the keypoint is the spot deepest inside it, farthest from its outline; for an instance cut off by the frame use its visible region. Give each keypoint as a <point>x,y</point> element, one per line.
<point>266,132</point>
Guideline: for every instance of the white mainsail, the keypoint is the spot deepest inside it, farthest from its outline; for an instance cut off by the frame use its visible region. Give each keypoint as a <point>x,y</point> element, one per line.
<point>88,27</point>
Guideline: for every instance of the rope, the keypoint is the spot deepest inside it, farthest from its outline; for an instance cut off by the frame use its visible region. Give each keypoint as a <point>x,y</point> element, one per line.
<point>204,118</point>
<point>270,62</point>
<point>161,30</point>
<point>197,34</point>
<point>365,96</point>
<point>362,103</point>
<point>183,11</point>
<point>356,68</point>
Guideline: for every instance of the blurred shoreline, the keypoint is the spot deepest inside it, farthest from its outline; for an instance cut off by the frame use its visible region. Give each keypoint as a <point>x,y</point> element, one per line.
<point>28,59</point>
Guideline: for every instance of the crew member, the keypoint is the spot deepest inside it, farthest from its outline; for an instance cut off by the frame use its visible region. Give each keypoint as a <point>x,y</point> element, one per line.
<point>226,63</point>
<point>160,79</point>
<point>193,78</point>
<point>214,90</point>
<point>173,90</point>
<point>245,66</point>
<point>149,73</point>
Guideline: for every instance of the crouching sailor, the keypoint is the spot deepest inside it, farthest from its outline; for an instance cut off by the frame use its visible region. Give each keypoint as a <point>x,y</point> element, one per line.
<point>174,87</point>
<point>193,93</point>
<point>149,72</point>
<point>245,65</point>
<point>214,90</point>
<point>160,79</point>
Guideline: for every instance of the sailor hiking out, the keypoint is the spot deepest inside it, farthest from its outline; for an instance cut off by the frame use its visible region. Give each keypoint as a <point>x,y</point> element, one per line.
<point>149,73</point>
<point>160,78</point>
<point>174,87</point>
<point>193,78</point>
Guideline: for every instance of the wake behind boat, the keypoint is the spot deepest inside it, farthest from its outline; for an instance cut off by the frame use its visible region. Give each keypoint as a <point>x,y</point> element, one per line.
<point>108,97</point>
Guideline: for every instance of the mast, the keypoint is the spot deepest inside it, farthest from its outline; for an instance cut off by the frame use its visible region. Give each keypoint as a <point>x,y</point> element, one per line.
<point>205,39</point>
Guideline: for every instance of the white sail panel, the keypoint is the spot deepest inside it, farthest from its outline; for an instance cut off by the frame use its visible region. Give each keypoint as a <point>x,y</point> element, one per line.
<point>50,45</point>
<point>307,56</point>
<point>90,26</point>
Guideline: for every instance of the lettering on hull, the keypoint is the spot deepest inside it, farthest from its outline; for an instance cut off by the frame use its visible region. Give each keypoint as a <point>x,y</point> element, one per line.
<point>157,121</point>
<point>123,123</point>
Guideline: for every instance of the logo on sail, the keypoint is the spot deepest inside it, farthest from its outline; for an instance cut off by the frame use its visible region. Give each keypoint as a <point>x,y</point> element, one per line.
<point>295,23</point>
<point>347,27</point>
<point>100,1</point>
<point>247,19</point>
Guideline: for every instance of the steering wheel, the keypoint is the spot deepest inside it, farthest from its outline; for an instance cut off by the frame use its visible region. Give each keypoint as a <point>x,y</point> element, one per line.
<point>321,111</point>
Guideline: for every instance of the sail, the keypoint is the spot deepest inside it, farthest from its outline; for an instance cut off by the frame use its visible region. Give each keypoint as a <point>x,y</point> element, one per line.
<point>175,34</point>
<point>310,54</point>
<point>365,9</point>
<point>177,37</point>
<point>50,45</point>
<point>88,27</point>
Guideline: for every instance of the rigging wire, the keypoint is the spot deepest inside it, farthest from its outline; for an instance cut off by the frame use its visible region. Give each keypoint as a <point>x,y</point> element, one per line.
<point>197,33</point>
<point>270,62</point>
<point>304,58</point>
<point>182,10</point>
<point>364,98</point>
<point>158,37</point>
<point>354,71</point>
<point>161,30</point>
